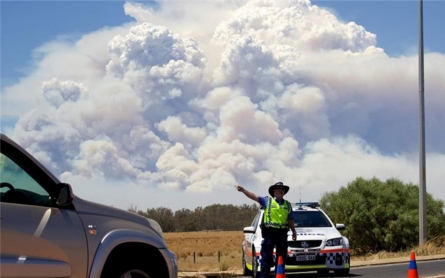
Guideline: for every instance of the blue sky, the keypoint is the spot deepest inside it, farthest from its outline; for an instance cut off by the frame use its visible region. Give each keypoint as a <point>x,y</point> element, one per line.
<point>26,25</point>
<point>395,22</point>
<point>135,101</point>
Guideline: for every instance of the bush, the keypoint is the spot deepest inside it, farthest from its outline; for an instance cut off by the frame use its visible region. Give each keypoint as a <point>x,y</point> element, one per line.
<point>382,216</point>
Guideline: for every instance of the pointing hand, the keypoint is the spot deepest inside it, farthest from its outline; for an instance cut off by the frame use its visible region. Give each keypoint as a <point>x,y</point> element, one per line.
<point>239,188</point>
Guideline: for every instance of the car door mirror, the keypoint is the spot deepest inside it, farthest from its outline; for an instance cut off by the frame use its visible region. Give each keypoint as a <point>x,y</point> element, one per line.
<point>249,230</point>
<point>340,226</point>
<point>65,197</point>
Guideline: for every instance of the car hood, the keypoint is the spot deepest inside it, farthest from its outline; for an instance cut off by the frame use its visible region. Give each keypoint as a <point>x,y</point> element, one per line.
<point>84,207</point>
<point>316,233</point>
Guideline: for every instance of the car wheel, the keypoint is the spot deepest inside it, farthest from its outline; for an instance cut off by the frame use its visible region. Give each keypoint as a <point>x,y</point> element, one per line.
<point>255,273</point>
<point>135,273</point>
<point>123,264</point>
<point>342,272</point>
<point>130,272</point>
<point>246,271</point>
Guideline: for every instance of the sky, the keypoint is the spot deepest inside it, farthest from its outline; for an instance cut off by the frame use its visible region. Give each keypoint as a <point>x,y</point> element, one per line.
<point>171,103</point>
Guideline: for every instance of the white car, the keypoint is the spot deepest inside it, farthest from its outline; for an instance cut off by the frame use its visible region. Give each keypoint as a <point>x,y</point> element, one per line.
<point>319,247</point>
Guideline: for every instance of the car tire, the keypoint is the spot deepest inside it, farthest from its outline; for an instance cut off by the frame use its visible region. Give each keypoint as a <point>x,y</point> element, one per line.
<point>342,272</point>
<point>135,273</point>
<point>124,264</point>
<point>255,263</point>
<point>246,271</point>
<point>130,272</point>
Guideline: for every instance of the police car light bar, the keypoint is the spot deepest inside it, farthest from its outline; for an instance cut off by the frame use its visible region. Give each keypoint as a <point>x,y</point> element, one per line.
<point>308,204</point>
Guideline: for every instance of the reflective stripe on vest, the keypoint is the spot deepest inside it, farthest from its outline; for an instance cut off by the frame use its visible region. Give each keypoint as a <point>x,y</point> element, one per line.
<point>275,215</point>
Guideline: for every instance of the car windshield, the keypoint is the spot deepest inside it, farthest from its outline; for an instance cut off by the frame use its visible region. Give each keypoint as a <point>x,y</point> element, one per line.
<point>306,219</point>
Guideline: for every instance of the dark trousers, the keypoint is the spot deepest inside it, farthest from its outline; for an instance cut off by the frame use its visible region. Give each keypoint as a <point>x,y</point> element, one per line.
<point>272,238</point>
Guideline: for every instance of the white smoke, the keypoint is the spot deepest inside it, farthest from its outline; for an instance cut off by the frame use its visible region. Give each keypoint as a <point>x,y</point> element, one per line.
<point>186,104</point>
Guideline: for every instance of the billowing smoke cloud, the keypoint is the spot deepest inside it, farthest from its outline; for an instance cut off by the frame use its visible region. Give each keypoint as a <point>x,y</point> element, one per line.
<point>180,104</point>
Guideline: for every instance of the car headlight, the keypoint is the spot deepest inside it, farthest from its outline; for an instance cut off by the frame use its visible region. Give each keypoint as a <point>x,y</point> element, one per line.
<point>334,242</point>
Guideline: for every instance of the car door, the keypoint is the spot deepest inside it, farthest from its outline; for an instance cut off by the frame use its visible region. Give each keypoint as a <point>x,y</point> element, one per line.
<point>38,239</point>
<point>250,238</point>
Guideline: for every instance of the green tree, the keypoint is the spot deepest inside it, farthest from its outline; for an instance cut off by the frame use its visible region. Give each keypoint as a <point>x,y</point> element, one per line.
<point>164,217</point>
<point>213,217</point>
<point>185,221</point>
<point>382,216</point>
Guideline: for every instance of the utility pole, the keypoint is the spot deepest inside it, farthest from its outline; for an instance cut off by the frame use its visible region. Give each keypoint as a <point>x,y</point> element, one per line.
<point>422,166</point>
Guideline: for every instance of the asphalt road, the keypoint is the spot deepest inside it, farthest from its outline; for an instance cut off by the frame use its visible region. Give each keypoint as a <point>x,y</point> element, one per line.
<point>425,269</point>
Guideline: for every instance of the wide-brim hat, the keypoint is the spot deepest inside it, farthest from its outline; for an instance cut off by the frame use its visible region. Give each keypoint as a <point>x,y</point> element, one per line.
<point>278,185</point>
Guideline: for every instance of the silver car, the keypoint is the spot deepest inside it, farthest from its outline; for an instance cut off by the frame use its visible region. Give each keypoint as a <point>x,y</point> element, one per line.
<point>47,231</point>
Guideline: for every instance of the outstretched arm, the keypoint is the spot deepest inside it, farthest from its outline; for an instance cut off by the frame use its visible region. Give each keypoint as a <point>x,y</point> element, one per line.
<point>246,192</point>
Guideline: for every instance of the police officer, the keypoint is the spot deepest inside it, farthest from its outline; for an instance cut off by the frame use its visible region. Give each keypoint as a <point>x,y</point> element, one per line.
<point>277,219</point>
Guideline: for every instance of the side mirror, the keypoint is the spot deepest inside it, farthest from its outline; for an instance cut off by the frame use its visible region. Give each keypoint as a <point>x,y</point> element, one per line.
<point>340,226</point>
<point>65,197</point>
<point>249,230</point>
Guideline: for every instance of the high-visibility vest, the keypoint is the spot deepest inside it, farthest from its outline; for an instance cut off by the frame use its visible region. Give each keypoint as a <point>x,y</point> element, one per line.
<point>275,215</point>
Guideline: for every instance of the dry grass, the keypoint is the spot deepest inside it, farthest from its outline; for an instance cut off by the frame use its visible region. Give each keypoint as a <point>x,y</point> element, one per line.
<point>198,251</point>
<point>435,246</point>
<point>221,250</point>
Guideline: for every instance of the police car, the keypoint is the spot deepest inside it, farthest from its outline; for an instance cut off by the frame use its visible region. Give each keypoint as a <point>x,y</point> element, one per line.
<point>319,247</point>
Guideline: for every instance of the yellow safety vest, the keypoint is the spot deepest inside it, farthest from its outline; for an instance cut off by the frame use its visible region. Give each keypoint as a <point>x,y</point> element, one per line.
<point>275,215</point>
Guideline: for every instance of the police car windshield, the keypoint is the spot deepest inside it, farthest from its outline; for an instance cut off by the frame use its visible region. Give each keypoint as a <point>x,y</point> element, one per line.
<point>307,219</point>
